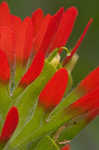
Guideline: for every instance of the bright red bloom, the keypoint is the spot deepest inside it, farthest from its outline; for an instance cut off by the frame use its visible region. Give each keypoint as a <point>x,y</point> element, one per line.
<point>54,90</point>
<point>21,39</point>
<point>10,124</point>
<point>28,42</point>
<point>16,39</point>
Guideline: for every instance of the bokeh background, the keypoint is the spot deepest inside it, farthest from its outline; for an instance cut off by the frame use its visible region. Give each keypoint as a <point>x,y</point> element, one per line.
<point>88,139</point>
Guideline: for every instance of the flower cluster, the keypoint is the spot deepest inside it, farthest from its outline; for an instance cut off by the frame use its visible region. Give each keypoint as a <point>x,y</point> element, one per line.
<point>35,81</point>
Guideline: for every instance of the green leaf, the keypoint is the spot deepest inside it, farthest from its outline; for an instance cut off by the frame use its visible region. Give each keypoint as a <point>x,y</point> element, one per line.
<point>46,128</point>
<point>72,129</point>
<point>47,143</point>
<point>27,101</point>
<point>5,101</point>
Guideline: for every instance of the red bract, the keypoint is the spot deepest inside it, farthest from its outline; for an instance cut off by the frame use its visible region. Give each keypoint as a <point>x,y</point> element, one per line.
<point>89,102</point>
<point>90,82</point>
<point>92,115</point>
<point>78,43</point>
<point>10,124</point>
<point>23,37</point>
<point>67,147</point>
<point>34,70</point>
<point>37,19</point>
<point>4,75</point>
<point>54,90</point>
<point>49,29</point>
<point>65,28</point>
<point>4,15</point>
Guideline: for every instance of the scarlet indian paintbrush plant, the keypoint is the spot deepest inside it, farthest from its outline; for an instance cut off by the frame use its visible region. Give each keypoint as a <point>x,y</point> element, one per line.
<point>38,107</point>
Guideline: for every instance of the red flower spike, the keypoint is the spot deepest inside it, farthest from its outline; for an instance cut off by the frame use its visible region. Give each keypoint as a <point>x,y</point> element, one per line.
<point>37,18</point>
<point>4,67</point>
<point>10,124</point>
<point>67,147</point>
<point>79,42</point>
<point>54,90</point>
<point>34,70</point>
<point>65,28</point>
<point>90,82</point>
<point>51,30</point>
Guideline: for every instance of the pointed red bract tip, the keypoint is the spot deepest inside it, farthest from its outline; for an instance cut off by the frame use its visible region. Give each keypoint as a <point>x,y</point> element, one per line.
<point>78,42</point>
<point>87,103</point>
<point>90,82</point>
<point>51,30</point>
<point>41,34</point>
<point>34,70</point>
<point>92,115</point>
<point>4,4</point>
<point>67,147</point>
<point>54,90</point>
<point>4,67</point>
<point>82,37</point>
<point>10,124</point>
<point>37,18</point>
<point>65,28</point>
<point>4,14</point>
<point>23,40</point>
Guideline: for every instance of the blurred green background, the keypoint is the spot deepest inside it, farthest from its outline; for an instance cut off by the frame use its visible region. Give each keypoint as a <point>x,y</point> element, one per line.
<point>89,50</point>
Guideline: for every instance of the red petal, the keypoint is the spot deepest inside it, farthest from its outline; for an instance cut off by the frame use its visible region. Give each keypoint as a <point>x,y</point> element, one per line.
<point>4,67</point>
<point>54,90</point>
<point>37,18</point>
<point>65,28</point>
<point>90,82</point>
<point>34,70</point>
<point>51,30</point>
<point>79,42</point>
<point>10,124</point>
<point>67,147</point>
